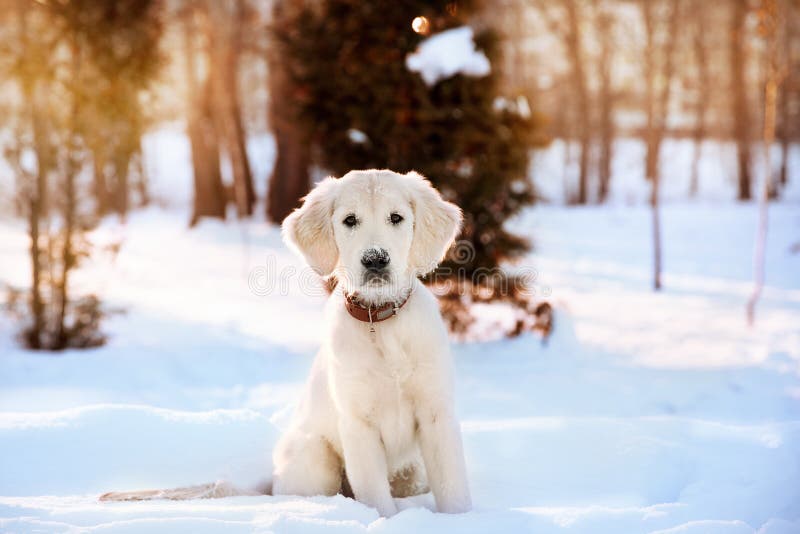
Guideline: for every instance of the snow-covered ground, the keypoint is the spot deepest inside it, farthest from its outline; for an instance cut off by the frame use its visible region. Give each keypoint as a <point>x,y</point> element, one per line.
<point>644,413</point>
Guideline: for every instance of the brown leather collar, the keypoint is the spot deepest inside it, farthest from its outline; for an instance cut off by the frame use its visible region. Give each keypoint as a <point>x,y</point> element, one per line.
<point>371,313</point>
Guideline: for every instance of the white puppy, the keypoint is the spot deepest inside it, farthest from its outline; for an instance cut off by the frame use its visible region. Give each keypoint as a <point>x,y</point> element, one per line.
<point>378,412</point>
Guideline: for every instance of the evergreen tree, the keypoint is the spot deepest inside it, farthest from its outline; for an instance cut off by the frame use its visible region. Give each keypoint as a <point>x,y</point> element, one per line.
<point>362,108</point>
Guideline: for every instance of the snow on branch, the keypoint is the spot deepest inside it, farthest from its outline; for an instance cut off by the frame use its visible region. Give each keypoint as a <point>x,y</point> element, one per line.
<point>446,54</point>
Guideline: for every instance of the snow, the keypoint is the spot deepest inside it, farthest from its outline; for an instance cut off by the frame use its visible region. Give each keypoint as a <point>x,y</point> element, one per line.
<point>357,137</point>
<point>643,413</point>
<point>446,54</point>
<point>168,163</point>
<point>519,106</point>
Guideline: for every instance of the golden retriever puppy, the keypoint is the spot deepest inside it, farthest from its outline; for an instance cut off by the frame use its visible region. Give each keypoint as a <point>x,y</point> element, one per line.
<point>378,412</point>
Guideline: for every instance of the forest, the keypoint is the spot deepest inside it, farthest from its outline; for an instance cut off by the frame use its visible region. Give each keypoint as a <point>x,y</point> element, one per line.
<point>87,81</point>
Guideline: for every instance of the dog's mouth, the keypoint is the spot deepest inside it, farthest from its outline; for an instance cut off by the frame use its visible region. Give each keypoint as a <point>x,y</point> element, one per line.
<point>376,278</point>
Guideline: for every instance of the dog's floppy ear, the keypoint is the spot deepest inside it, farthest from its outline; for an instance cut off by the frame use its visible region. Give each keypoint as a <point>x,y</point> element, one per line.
<point>436,225</point>
<point>309,229</point>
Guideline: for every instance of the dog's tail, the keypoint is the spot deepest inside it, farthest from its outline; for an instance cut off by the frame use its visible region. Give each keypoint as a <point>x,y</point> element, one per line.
<point>212,490</point>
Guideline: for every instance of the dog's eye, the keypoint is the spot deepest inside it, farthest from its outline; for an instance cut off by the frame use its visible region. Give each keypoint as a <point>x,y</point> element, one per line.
<point>350,220</point>
<point>396,218</point>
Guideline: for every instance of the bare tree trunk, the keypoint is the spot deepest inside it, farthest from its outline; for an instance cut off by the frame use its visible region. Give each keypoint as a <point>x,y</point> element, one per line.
<point>568,193</point>
<point>783,176</point>
<point>37,308</point>
<point>787,118</point>
<point>68,207</point>
<point>37,200</point>
<point>67,254</point>
<point>694,178</point>
<point>770,26</point>
<point>740,111</point>
<point>701,102</point>
<point>101,193</point>
<point>137,160</point>
<point>763,201</point>
<point>122,164</point>
<point>575,51</point>
<point>653,175</point>
<point>658,97</point>
<point>290,180</point>
<point>225,53</point>
<point>209,193</point>
<point>651,138</point>
<point>36,207</point>
<point>656,221</point>
<point>605,23</point>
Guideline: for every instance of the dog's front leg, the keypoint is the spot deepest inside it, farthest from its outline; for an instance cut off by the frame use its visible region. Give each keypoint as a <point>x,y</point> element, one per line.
<point>365,464</point>
<point>443,454</point>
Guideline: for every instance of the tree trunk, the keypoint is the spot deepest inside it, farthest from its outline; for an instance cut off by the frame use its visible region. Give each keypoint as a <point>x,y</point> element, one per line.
<point>225,52</point>
<point>36,208</point>
<point>763,198</point>
<point>787,118</point>
<point>658,79</point>
<point>694,179</point>
<point>770,21</point>
<point>290,180</point>
<point>606,102</point>
<point>575,51</point>
<point>100,185</point>
<point>784,171</point>
<point>701,102</point>
<point>740,111</point>
<point>122,166</point>
<point>69,207</point>
<point>743,164</point>
<point>138,163</point>
<point>210,197</point>
<point>606,147</point>
<point>656,216</point>
<point>67,254</point>
<point>37,200</point>
<point>209,193</point>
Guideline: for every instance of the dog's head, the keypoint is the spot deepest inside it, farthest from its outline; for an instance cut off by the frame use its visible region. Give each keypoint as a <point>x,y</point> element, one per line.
<point>375,230</point>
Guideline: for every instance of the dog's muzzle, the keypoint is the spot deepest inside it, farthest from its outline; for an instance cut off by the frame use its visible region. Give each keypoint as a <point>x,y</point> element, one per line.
<point>376,266</point>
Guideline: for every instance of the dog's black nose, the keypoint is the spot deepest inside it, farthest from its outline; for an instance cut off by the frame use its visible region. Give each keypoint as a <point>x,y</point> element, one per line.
<point>375,259</point>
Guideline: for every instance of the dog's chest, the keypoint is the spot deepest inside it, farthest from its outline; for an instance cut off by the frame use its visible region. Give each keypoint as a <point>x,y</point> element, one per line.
<point>375,378</point>
<point>397,362</point>
<point>392,399</point>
